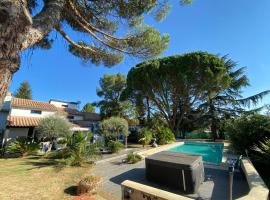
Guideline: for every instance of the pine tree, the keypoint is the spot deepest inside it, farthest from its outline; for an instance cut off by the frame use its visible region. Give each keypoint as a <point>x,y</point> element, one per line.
<point>27,24</point>
<point>88,107</point>
<point>24,91</point>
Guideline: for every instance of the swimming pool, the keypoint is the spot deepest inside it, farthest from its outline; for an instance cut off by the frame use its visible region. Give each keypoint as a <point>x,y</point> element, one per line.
<point>210,152</point>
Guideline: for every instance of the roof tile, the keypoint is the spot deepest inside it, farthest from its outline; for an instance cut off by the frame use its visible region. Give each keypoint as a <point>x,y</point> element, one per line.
<point>26,103</point>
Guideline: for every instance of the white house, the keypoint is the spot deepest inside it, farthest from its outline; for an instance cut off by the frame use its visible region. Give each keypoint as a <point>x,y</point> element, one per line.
<point>19,117</point>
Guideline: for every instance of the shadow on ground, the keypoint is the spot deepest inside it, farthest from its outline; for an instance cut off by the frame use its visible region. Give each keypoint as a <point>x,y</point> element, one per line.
<point>41,162</point>
<point>215,185</point>
<point>72,190</point>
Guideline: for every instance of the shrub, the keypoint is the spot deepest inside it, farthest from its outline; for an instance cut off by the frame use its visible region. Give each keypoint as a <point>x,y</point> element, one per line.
<point>198,135</point>
<point>78,150</point>
<point>22,147</point>
<point>88,184</point>
<point>165,136</point>
<point>133,158</point>
<point>113,127</point>
<point>53,126</point>
<point>247,131</point>
<point>145,136</point>
<point>115,146</point>
<point>262,152</point>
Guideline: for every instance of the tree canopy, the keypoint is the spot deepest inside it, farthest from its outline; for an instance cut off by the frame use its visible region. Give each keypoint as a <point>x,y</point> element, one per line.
<point>24,91</point>
<point>89,107</point>
<point>182,88</point>
<point>108,30</point>
<point>53,126</point>
<point>110,90</point>
<point>114,127</point>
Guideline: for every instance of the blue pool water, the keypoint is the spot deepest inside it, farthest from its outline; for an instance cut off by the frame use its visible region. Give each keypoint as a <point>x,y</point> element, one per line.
<point>210,152</point>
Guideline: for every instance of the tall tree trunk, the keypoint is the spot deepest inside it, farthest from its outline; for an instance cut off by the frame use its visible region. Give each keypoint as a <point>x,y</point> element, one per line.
<point>148,109</point>
<point>18,31</point>
<point>5,78</point>
<point>213,120</point>
<point>126,141</point>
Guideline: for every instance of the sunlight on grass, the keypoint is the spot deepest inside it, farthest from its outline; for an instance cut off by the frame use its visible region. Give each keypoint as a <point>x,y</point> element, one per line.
<point>38,178</point>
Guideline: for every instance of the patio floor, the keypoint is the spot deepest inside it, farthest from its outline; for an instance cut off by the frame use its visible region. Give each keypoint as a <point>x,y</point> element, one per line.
<point>214,187</point>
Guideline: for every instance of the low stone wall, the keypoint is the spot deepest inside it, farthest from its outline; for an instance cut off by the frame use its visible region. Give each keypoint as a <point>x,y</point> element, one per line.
<point>258,189</point>
<point>136,191</point>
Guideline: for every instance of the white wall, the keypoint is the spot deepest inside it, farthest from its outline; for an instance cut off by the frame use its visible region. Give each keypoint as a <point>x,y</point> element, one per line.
<point>17,132</point>
<point>27,113</point>
<point>60,104</point>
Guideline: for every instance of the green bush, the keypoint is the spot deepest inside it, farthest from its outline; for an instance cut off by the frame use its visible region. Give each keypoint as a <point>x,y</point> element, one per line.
<point>164,136</point>
<point>198,135</point>
<point>115,146</point>
<point>114,127</point>
<point>262,152</point>
<point>145,136</point>
<point>53,126</point>
<point>78,150</point>
<point>247,131</point>
<point>133,158</point>
<point>22,147</point>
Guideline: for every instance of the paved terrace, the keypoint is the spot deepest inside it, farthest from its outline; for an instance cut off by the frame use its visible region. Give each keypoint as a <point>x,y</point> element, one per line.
<point>215,186</point>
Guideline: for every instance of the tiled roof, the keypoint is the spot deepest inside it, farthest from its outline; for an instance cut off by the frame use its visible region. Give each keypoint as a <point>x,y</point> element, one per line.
<point>91,116</point>
<point>26,103</point>
<point>17,121</point>
<point>69,111</point>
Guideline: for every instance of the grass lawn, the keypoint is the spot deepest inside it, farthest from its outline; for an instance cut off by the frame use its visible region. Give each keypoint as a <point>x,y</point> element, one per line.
<point>35,177</point>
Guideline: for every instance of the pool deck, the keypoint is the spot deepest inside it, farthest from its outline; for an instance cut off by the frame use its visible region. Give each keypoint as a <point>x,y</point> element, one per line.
<point>215,185</point>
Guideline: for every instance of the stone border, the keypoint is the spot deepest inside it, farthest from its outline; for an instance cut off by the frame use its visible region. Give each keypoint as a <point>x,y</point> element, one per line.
<point>137,191</point>
<point>258,189</point>
<point>145,153</point>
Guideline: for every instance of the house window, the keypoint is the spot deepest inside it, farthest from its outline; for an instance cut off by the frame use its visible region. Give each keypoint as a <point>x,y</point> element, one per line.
<point>64,105</point>
<point>38,112</point>
<point>70,117</point>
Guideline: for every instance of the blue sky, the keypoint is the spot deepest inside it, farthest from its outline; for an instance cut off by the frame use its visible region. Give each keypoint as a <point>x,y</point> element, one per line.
<point>239,28</point>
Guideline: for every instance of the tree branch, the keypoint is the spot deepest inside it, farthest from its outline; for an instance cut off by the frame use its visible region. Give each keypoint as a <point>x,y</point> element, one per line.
<point>73,42</point>
<point>92,33</point>
<point>44,22</point>
<point>91,26</point>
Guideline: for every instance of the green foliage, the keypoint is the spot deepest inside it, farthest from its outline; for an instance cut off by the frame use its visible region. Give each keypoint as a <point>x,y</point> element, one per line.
<point>111,90</point>
<point>111,87</point>
<point>247,131</point>
<point>164,136</point>
<point>91,179</point>
<point>133,158</point>
<point>175,85</point>
<point>78,149</point>
<point>192,90</point>
<point>145,136</point>
<point>22,146</point>
<point>24,91</point>
<point>53,126</point>
<point>198,135</point>
<point>88,107</point>
<point>262,152</point>
<point>115,146</point>
<point>114,127</point>
<point>102,20</point>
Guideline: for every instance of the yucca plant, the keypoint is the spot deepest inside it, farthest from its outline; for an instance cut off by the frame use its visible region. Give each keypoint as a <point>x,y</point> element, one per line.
<point>22,146</point>
<point>145,136</point>
<point>78,149</point>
